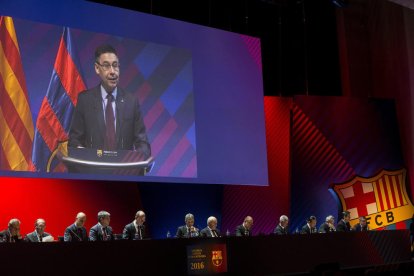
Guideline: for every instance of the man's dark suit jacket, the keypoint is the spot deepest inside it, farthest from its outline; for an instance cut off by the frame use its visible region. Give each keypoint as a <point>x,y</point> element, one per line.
<point>279,230</point>
<point>75,234</point>
<point>88,123</point>
<point>182,232</point>
<point>5,237</point>
<point>241,231</point>
<point>343,227</point>
<point>95,233</point>
<point>130,230</point>
<point>307,230</point>
<point>32,237</point>
<point>324,228</point>
<point>206,232</point>
<point>359,228</point>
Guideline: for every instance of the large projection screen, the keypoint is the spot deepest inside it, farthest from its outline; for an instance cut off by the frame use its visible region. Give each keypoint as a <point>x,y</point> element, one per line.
<point>200,90</point>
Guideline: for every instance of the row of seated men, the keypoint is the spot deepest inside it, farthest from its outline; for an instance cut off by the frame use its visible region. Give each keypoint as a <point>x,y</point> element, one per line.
<point>135,230</point>
<point>245,229</point>
<point>76,232</point>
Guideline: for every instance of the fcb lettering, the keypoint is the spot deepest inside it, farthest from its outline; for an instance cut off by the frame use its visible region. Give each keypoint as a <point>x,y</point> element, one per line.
<point>382,198</point>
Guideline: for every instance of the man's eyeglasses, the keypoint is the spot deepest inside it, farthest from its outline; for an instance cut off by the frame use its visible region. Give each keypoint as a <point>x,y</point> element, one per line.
<point>107,66</point>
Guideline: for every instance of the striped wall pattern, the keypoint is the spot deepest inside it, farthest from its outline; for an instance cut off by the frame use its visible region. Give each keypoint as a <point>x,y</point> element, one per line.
<point>319,162</point>
<point>334,139</point>
<point>16,126</point>
<point>253,46</point>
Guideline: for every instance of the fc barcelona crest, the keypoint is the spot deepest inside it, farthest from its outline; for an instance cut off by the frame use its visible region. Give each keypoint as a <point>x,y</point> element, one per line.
<point>216,258</point>
<point>382,198</point>
<point>99,153</point>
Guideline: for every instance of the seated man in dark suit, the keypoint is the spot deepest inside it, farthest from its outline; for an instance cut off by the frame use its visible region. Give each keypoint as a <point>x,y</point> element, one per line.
<point>188,230</point>
<point>76,232</point>
<point>12,233</point>
<point>102,231</point>
<point>328,226</point>
<point>343,224</point>
<point>39,234</point>
<point>282,227</point>
<point>136,229</point>
<point>211,230</point>
<point>310,226</point>
<point>244,230</point>
<point>362,225</point>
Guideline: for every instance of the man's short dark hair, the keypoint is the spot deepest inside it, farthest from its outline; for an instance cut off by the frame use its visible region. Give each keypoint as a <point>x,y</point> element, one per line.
<point>103,49</point>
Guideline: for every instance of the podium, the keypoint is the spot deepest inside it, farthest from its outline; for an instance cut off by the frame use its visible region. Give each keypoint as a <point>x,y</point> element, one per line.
<point>96,161</point>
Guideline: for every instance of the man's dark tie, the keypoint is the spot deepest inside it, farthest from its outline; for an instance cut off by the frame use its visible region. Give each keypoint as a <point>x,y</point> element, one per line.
<point>139,234</point>
<point>110,124</point>
<point>105,234</point>
<point>214,233</point>
<point>80,234</point>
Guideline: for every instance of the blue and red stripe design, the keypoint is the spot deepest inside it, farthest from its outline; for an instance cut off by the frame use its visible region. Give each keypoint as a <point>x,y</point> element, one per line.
<point>53,121</point>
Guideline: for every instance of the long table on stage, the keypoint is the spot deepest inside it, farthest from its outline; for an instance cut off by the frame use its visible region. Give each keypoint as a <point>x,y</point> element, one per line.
<point>254,255</point>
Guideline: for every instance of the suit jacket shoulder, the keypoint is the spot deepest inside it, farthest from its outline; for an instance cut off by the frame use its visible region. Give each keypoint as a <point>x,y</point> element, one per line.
<point>31,237</point>
<point>205,232</point>
<point>94,233</point>
<point>342,226</point>
<point>181,232</point>
<point>305,229</point>
<point>72,234</point>
<point>129,231</point>
<point>279,230</point>
<point>241,231</point>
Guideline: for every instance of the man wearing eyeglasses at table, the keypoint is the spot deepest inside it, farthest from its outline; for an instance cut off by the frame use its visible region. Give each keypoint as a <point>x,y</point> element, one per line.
<point>107,117</point>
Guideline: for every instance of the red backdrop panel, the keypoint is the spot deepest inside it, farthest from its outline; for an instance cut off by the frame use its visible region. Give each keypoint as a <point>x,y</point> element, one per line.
<point>58,202</point>
<point>376,46</point>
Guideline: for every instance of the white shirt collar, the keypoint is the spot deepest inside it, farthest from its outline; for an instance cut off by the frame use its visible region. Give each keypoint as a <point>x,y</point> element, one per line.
<point>104,93</point>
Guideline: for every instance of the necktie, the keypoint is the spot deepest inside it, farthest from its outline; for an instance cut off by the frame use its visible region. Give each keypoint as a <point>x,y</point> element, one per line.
<point>138,234</point>
<point>105,235</point>
<point>80,234</point>
<point>214,233</point>
<point>110,123</point>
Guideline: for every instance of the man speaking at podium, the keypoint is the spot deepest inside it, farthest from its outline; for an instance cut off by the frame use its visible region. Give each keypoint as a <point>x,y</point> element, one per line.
<point>107,117</point>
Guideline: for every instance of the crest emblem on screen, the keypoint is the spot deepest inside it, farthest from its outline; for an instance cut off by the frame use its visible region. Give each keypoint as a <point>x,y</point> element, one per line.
<point>99,153</point>
<point>382,198</point>
<point>216,257</point>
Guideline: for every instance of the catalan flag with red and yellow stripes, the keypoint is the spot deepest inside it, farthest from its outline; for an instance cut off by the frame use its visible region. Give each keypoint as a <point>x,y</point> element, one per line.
<point>16,125</point>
